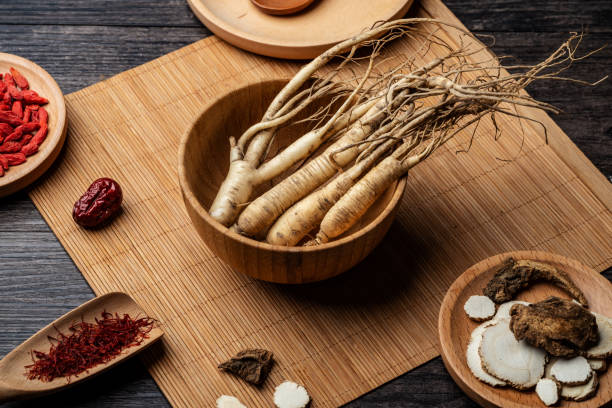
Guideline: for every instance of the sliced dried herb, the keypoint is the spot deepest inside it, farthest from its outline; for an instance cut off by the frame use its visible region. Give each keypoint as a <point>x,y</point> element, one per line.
<point>252,365</point>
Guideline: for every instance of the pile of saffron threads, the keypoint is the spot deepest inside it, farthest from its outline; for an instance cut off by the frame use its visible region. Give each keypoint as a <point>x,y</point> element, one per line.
<point>88,345</point>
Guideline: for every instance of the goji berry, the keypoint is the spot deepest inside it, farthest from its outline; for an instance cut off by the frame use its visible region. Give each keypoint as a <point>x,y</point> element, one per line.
<point>28,127</point>
<point>43,116</point>
<point>15,93</point>
<point>4,107</point>
<point>15,158</point>
<point>5,129</point>
<point>10,118</point>
<point>27,112</point>
<point>19,79</point>
<point>26,139</point>
<point>10,147</point>
<point>29,149</point>
<point>4,162</point>
<point>6,99</point>
<point>17,109</point>
<point>3,87</point>
<point>8,80</point>
<point>16,135</point>
<point>32,97</point>
<point>40,135</point>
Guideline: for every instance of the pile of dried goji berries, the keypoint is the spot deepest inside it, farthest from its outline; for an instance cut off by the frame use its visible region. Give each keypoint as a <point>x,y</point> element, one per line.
<point>23,120</point>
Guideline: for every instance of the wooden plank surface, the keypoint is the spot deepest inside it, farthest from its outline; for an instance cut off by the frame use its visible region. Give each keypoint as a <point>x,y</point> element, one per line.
<point>43,281</point>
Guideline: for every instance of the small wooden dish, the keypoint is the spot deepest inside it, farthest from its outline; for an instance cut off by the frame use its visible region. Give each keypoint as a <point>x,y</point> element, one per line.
<point>298,36</point>
<point>13,382</point>
<point>455,327</point>
<point>18,177</point>
<point>203,164</point>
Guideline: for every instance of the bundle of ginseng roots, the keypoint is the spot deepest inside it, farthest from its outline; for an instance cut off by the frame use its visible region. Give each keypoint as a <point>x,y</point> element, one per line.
<point>380,124</point>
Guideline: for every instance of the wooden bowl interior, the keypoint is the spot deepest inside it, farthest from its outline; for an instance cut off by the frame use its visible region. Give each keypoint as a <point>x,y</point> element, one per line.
<point>18,177</point>
<point>455,327</point>
<point>207,147</point>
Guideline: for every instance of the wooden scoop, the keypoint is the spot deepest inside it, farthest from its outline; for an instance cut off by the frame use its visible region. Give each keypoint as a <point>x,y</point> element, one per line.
<point>281,7</point>
<point>13,382</point>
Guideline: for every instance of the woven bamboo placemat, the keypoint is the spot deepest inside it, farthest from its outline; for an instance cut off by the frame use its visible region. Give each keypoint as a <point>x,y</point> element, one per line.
<point>340,338</point>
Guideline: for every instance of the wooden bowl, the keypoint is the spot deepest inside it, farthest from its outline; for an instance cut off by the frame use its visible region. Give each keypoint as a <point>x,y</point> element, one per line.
<point>454,327</point>
<point>18,177</point>
<point>203,164</point>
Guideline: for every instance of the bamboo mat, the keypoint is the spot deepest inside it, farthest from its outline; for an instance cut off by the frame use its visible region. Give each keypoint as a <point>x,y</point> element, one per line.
<point>339,338</point>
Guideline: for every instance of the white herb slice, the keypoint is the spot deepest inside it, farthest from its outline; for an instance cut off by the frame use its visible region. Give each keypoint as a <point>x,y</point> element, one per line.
<point>503,311</point>
<point>479,308</point>
<point>291,395</point>
<point>227,401</point>
<point>548,391</point>
<point>473,357</point>
<point>515,362</point>
<point>603,349</point>
<point>580,392</point>
<point>571,371</point>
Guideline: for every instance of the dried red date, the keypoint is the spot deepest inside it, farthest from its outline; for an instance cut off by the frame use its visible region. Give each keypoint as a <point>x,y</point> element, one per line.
<point>100,203</point>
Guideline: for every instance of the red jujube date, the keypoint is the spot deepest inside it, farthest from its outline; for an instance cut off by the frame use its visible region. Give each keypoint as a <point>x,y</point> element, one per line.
<point>100,203</point>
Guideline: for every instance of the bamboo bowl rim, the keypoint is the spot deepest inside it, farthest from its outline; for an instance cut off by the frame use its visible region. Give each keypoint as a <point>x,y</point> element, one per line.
<point>203,213</point>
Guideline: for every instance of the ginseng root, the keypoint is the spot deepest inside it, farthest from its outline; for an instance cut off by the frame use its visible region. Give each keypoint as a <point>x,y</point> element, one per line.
<point>291,227</point>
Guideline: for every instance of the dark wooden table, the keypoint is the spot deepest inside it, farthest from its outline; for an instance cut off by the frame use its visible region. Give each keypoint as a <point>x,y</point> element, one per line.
<point>80,42</point>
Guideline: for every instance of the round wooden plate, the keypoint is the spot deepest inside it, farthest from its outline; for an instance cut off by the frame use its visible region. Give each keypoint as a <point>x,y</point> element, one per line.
<point>18,177</point>
<point>299,36</point>
<point>455,327</point>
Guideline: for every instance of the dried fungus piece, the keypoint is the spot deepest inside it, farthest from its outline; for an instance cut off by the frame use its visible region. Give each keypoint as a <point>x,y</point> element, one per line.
<point>548,391</point>
<point>571,371</point>
<point>515,362</point>
<point>252,365</point>
<point>291,395</point>
<point>479,308</point>
<point>580,392</point>
<point>603,348</point>
<point>473,357</point>
<point>227,401</point>
<point>559,326</point>
<point>514,276</point>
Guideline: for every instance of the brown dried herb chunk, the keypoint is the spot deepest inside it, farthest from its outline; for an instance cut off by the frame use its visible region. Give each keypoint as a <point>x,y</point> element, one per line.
<point>516,275</point>
<point>252,365</point>
<point>559,326</point>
